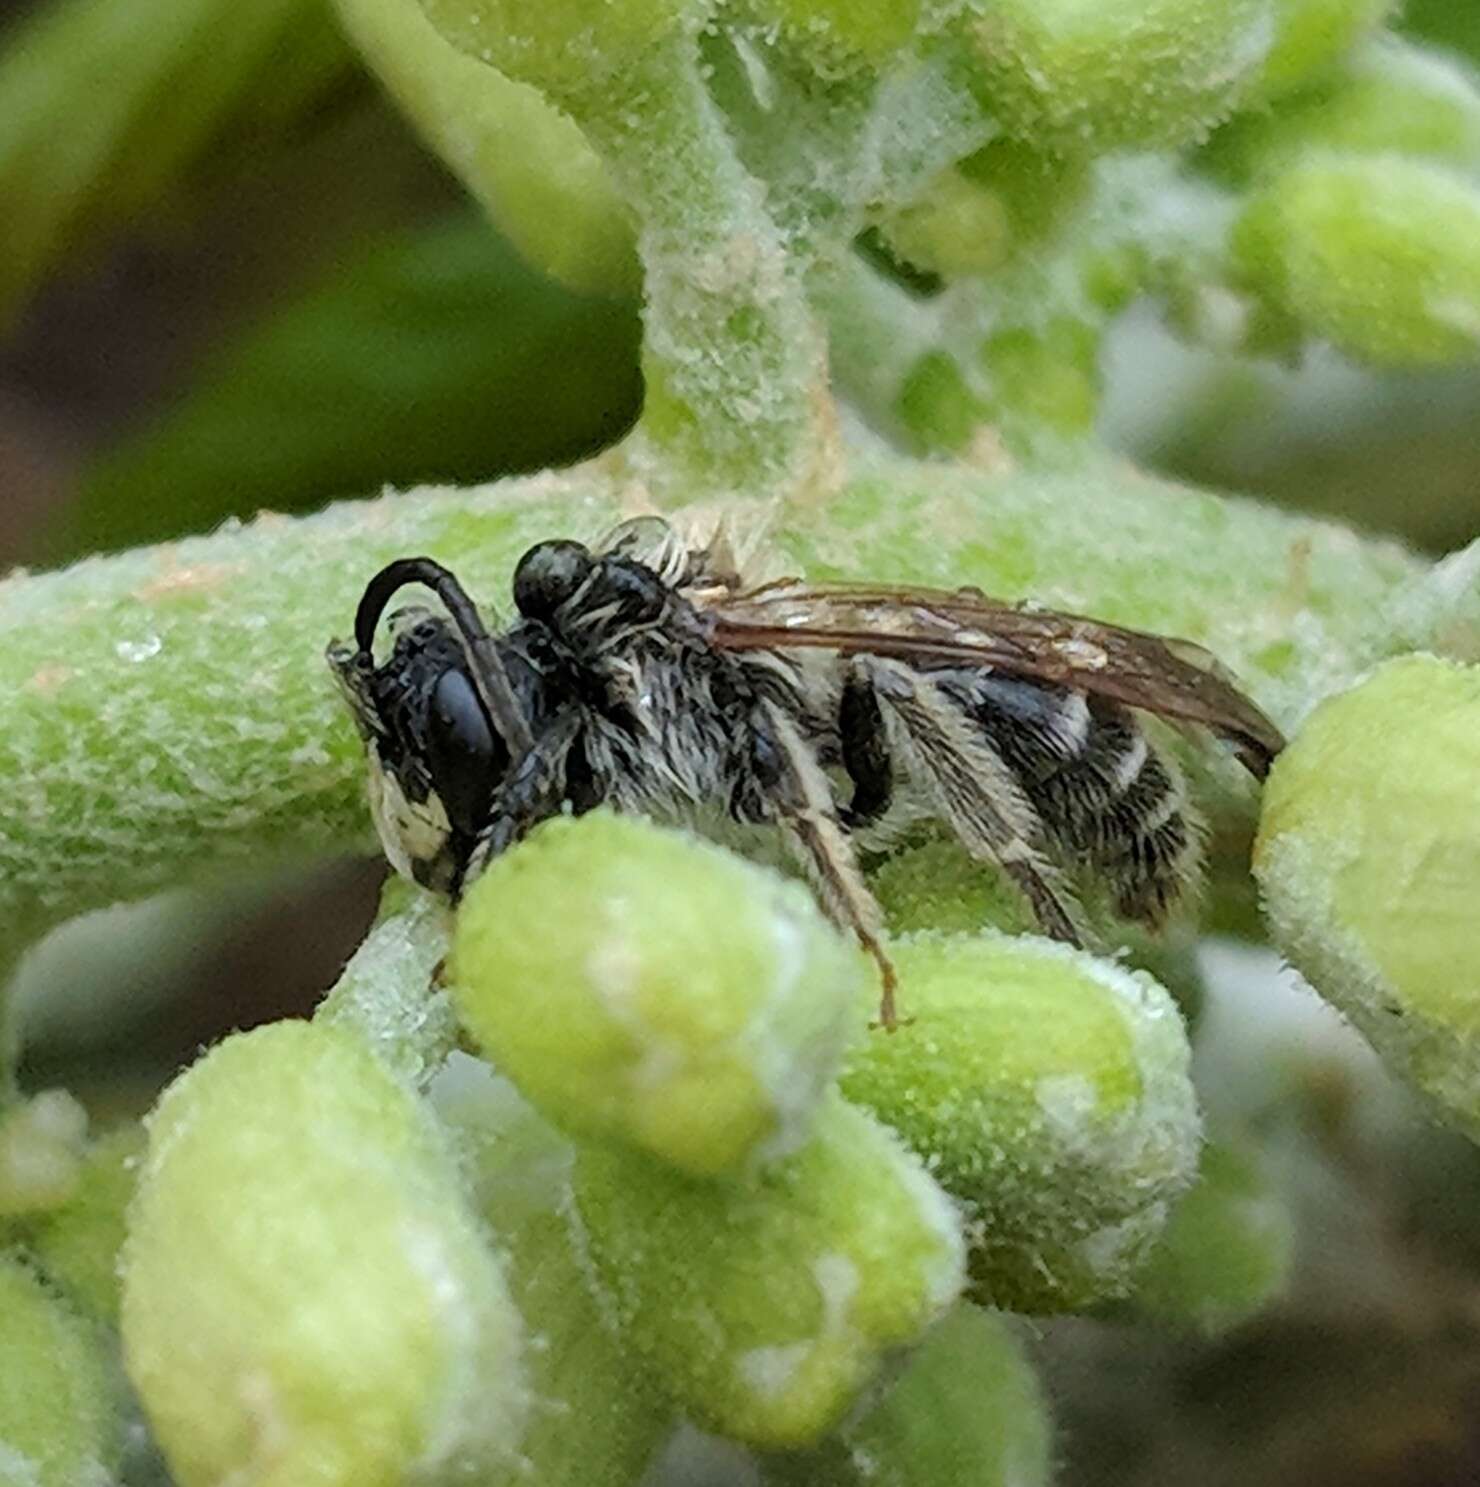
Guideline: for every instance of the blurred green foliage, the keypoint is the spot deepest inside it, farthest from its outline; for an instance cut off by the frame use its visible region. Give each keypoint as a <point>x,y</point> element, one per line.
<point>434,356</point>
<point>109,112</point>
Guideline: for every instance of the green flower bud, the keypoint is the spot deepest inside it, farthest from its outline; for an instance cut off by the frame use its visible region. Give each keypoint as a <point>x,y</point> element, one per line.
<point>972,218</point>
<point>1048,1092</point>
<point>1388,98</point>
<point>954,228</point>
<point>41,1144</point>
<point>1369,860</point>
<point>1227,1250</point>
<point>570,49</point>
<point>843,36</point>
<point>1381,256</point>
<point>600,1418</point>
<point>78,1242</point>
<point>967,1410</point>
<point>642,985</point>
<point>1098,77</point>
<point>306,1298</point>
<point>937,407</point>
<point>764,1305</point>
<point>58,1419</point>
<point>936,885</point>
<point>1309,35</point>
<point>528,165</point>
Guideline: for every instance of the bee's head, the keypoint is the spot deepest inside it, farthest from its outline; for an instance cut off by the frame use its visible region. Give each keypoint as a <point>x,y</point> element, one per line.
<point>443,717</point>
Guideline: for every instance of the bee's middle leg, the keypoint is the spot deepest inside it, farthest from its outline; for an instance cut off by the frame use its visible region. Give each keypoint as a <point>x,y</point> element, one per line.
<point>865,748</point>
<point>800,797</point>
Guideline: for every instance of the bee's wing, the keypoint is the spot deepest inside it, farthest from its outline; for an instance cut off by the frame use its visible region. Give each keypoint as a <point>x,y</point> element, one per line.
<point>1173,678</point>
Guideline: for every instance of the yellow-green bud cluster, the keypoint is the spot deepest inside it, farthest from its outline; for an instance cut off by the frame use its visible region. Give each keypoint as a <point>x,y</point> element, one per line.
<point>1368,858</point>
<point>306,1297</point>
<point>643,986</point>
<point>683,1014</point>
<point>1048,1092</point>
<point>59,1422</point>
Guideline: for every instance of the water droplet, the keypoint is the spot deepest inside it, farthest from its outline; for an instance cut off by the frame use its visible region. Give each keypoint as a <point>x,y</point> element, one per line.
<point>139,650</point>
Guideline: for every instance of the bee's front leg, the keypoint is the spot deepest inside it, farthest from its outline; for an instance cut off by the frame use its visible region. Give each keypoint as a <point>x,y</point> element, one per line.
<point>532,791</point>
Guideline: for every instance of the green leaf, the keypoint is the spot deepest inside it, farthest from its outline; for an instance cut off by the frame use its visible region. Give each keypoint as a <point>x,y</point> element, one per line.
<point>104,108</point>
<point>437,356</point>
<point>1453,23</point>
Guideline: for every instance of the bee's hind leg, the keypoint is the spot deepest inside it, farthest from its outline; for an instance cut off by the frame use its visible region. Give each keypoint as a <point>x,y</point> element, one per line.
<point>977,793</point>
<point>800,798</point>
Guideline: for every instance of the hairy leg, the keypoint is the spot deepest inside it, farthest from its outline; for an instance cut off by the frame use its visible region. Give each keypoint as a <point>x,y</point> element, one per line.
<point>532,791</point>
<point>799,795</point>
<point>977,793</point>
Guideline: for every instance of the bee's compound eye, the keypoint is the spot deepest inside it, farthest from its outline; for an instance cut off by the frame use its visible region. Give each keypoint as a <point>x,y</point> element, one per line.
<point>547,575</point>
<point>464,756</point>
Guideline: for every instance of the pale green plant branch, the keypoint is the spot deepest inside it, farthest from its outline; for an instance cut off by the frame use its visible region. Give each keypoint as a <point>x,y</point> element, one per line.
<point>733,354</point>
<point>169,708</point>
<point>389,992</point>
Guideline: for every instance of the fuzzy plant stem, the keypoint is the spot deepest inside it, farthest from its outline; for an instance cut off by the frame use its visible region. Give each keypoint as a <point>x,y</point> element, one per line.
<point>733,355</point>
<point>389,992</point>
<point>169,711</point>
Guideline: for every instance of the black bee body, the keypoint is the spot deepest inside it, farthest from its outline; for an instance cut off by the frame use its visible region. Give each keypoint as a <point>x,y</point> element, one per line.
<point>1106,795</point>
<point>632,707</point>
<point>1094,791</point>
<point>654,686</point>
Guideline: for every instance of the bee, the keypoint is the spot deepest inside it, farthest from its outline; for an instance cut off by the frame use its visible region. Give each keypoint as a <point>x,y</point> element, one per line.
<point>642,674</point>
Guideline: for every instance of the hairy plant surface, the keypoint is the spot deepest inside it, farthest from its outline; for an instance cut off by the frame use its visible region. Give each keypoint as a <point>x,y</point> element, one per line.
<point>879,247</point>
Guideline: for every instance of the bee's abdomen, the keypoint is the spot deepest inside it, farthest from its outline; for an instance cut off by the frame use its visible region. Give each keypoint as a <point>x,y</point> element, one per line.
<point>1122,804</point>
<point>1103,791</point>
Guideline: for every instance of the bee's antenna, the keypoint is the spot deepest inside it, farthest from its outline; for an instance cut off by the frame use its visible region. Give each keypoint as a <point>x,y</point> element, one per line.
<point>489,676</point>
